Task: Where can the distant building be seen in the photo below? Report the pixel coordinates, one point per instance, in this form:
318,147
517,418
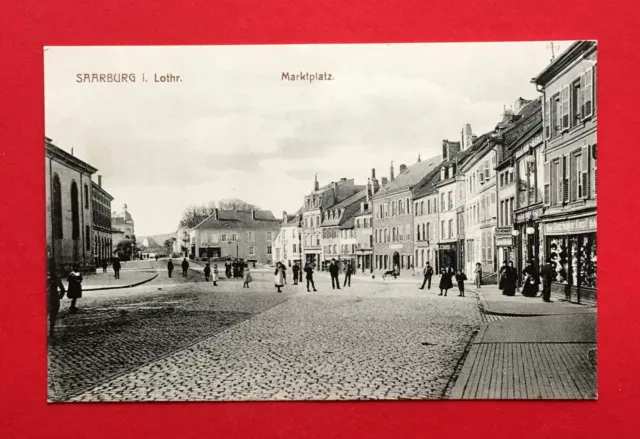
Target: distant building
364,227
124,222
287,244
69,218
241,234
102,235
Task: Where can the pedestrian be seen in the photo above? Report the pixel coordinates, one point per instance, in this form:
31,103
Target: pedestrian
547,275
530,281
445,280
227,269
170,267
308,269
207,272
74,289
510,279
104,265
116,268
215,275
477,275
502,275
333,271
246,276
347,275
185,267
284,273
156,257
427,273
241,268
55,292
279,276
296,272
460,278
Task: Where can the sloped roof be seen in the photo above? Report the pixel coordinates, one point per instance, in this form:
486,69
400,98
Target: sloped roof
409,178
348,224
240,219
291,219
343,192
430,187
351,206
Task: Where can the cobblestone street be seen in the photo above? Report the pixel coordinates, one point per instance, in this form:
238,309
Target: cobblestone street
176,339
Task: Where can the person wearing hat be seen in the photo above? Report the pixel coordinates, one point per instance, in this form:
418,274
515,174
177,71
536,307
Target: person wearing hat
333,271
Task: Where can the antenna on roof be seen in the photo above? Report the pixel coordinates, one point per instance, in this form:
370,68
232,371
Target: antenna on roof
72,150
553,48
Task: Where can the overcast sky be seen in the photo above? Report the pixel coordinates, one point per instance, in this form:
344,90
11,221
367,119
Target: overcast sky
233,128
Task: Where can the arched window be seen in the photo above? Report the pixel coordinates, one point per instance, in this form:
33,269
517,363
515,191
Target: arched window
57,208
86,196
75,213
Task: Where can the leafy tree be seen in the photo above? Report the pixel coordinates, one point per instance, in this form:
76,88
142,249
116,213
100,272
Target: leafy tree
168,245
236,204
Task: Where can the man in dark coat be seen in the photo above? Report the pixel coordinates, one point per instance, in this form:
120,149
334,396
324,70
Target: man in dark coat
546,273
333,271
116,267
207,272
55,290
427,273
74,291
347,274
170,267
104,265
296,272
308,269
185,267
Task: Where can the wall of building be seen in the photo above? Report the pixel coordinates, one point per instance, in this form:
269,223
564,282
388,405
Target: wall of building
386,219
426,220
261,243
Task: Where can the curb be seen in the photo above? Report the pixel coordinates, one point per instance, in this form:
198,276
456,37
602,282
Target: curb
485,309
121,287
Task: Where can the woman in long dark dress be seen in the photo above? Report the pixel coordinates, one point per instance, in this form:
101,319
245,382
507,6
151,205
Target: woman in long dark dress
445,280
510,280
502,274
74,290
530,281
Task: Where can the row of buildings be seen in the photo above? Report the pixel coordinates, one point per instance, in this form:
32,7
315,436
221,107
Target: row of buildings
80,226
522,192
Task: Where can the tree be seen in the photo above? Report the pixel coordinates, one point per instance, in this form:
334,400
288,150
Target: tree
168,245
195,214
124,250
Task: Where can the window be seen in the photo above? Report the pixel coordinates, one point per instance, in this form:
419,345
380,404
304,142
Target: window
75,212
586,84
57,207
421,208
442,229
576,102
418,232
442,205
577,175
335,249
555,115
270,236
223,237
270,249
306,222
251,251
234,237
408,204
450,199
450,228
427,230
250,237
86,198
87,236
564,109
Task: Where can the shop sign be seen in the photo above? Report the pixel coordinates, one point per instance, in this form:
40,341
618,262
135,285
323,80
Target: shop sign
445,247
503,232
523,217
395,246
503,242
571,226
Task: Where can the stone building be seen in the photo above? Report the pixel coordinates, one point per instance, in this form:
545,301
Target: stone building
123,221
287,245
247,235
320,200
393,215
568,219
425,208
102,235
69,217
363,221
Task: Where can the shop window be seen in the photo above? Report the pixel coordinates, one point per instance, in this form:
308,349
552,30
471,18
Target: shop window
587,260
559,254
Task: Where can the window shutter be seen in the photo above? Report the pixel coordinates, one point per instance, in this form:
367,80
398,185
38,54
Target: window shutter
486,170
586,189
565,180
580,106
594,85
594,180
588,94
566,93
547,119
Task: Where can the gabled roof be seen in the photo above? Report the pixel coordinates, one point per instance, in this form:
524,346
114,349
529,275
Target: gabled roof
292,219
412,176
343,193
348,224
430,187
574,51
240,219
351,206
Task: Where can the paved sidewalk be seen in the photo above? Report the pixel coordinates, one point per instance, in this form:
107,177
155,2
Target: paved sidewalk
107,281
493,302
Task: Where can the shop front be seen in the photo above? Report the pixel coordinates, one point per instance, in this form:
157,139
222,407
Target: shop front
528,245
447,256
504,245
571,245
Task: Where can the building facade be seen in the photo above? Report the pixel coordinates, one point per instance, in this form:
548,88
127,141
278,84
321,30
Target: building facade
69,215
246,235
425,208
123,221
568,221
101,216
393,224
287,245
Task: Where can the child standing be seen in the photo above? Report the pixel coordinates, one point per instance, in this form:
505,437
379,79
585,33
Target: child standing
246,277
207,272
215,275
460,278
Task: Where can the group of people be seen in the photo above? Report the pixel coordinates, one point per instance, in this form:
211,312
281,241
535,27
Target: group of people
531,279
115,264
280,275
56,291
446,279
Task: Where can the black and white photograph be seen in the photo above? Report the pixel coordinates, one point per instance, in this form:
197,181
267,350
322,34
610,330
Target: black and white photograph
321,222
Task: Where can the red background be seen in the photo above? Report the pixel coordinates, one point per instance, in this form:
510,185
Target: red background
27,25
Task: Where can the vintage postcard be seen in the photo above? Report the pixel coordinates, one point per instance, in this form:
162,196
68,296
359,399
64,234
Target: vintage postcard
321,222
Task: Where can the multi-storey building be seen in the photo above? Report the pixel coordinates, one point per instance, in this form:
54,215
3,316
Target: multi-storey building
363,227
393,215
425,208
102,236
123,221
287,245
447,238
568,221
338,235
316,203
69,218
246,235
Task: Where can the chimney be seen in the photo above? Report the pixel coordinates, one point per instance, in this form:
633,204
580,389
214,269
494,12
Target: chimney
253,214
284,216
373,173
391,172
316,185
100,180
343,179
215,214
362,206
403,168
419,160
384,181
443,173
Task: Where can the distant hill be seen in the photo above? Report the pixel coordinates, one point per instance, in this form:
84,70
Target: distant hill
152,241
